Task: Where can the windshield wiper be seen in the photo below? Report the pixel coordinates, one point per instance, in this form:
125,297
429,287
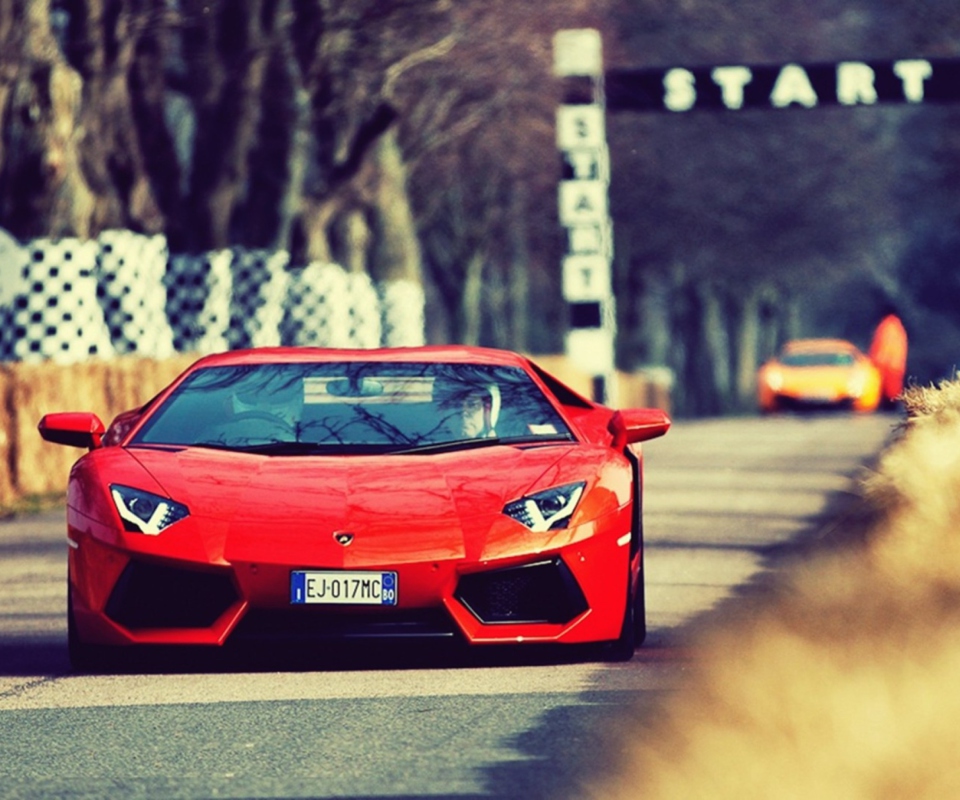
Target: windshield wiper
299,448
266,448
473,444
210,445
281,448
341,448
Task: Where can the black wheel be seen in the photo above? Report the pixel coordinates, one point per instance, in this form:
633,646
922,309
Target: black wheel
622,649
86,657
634,628
640,610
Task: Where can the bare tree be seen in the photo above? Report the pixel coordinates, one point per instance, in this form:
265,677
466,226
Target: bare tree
43,190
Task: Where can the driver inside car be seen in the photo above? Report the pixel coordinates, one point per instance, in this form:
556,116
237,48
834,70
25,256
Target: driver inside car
280,399
479,409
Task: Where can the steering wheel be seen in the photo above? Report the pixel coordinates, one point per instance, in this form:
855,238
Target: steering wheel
265,416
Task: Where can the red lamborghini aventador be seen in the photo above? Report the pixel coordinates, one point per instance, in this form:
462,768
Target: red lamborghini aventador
330,494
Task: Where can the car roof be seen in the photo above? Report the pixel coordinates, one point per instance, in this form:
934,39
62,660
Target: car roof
818,345
440,354
431,353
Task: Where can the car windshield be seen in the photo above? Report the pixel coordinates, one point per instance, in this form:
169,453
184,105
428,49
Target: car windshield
353,407
817,359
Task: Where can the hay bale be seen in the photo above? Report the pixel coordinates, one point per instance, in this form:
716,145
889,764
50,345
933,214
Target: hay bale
7,490
131,382
103,387
43,388
645,388
563,369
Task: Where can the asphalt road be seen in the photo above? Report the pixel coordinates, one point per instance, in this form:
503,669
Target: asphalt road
725,499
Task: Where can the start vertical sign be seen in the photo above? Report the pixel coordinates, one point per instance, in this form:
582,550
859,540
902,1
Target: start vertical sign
583,206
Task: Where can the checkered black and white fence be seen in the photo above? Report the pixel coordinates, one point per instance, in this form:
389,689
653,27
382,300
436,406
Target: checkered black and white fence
129,274
124,293
50,306
333,308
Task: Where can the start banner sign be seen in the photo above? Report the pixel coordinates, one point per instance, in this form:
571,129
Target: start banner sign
735,87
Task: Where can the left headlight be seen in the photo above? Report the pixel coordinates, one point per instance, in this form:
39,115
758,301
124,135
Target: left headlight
145,512
857,382
547,510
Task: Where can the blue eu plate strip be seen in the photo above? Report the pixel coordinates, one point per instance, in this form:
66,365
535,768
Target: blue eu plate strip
298,587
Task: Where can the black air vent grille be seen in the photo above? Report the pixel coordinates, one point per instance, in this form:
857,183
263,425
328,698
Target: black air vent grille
156,596
545,591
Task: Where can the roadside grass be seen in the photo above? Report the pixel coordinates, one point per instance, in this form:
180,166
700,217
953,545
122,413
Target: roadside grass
32,504
842,681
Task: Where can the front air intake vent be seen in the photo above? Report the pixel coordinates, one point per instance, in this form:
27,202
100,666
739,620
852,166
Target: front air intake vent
305,625
545,591
156,596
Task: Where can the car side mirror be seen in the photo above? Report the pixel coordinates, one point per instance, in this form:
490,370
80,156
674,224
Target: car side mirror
633,425
73,428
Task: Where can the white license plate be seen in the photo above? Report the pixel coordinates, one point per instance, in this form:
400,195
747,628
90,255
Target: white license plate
342,587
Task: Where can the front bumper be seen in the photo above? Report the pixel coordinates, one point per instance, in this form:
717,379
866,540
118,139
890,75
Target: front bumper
574,594
803,402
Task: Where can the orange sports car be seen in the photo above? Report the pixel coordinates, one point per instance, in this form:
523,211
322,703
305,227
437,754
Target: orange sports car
818,373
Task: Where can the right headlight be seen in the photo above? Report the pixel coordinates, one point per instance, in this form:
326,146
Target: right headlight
547,510
774,379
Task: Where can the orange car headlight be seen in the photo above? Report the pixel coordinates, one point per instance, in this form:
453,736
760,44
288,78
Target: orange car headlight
857,383
774,379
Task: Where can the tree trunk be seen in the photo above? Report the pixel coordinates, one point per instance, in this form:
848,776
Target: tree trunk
792,322
654,323
716,345
519,278
298,154
235,49
471,303
747,349
356,236
113,157
397,255
43,191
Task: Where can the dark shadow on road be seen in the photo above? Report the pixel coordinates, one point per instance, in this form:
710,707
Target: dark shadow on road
33,656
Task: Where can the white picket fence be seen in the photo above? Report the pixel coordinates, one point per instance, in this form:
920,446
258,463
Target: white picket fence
124,293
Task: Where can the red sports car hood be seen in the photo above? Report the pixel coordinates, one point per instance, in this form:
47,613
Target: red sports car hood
398,508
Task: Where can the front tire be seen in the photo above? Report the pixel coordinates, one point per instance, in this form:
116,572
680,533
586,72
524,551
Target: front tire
85,657
640,611
634,628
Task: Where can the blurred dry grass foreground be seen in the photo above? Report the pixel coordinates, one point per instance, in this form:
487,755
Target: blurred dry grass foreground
844,685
